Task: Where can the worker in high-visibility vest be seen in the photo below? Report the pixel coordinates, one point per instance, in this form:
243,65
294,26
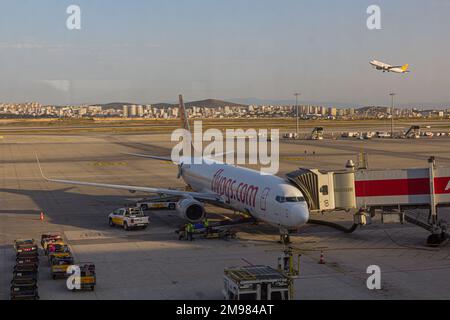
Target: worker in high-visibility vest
206,225
189,231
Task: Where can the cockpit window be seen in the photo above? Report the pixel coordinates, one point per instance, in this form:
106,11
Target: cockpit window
282,199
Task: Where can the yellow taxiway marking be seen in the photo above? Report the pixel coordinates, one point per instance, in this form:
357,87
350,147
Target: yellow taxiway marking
293,158
109,164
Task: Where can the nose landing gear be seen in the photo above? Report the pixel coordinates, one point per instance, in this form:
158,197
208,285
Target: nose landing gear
284,237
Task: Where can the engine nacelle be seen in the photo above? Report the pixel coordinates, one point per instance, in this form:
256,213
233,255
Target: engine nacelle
191,210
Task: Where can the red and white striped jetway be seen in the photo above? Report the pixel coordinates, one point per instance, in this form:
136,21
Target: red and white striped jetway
408,187
385,189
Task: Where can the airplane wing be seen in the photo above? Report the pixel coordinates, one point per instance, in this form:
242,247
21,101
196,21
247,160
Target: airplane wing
168,159
197,195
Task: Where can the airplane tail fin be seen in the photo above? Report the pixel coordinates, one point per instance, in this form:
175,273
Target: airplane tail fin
405,67
183,115
187,139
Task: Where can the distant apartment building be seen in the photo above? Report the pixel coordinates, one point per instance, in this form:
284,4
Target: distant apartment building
332,111
125,113
133,110
140,111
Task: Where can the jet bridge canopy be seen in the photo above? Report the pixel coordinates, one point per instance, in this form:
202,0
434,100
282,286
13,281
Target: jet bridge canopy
325,190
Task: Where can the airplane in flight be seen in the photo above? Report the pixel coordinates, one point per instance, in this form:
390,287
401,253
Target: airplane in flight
267,198
389,68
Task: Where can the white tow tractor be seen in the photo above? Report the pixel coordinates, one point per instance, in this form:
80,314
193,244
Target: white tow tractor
128,218
158,203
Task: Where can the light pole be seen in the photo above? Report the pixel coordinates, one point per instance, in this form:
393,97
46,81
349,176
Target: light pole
392,114
296,108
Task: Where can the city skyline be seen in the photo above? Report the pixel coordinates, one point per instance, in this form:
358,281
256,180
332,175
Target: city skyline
150,51
213,109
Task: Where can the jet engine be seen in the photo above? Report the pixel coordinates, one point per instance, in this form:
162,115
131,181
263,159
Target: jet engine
191,210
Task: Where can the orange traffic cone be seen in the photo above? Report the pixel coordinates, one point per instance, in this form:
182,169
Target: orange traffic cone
322,259
42,216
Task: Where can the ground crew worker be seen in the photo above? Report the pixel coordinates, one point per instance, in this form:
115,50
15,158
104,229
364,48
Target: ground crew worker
189,230
206,225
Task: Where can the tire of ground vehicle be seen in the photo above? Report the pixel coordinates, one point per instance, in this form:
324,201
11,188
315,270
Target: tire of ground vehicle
172,206
144,206
111,223
125,226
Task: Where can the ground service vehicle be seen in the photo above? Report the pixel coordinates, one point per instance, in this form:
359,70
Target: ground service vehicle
58,251
59,267
163,202
47,237
255,283
128,218
25,247
88,278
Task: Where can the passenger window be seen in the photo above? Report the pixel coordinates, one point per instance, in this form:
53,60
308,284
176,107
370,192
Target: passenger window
324,190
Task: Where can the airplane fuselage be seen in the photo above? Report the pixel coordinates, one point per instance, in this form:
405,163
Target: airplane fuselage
266,197
387,67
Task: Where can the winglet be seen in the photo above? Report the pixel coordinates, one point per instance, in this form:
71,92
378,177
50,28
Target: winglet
40,168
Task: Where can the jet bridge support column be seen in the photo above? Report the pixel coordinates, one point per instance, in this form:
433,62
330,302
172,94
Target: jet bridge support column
438,228
433,211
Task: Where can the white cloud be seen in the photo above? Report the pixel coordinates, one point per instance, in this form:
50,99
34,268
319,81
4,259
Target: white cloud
31,45
61,85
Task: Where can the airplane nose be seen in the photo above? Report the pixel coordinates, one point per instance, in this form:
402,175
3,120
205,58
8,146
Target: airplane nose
300,215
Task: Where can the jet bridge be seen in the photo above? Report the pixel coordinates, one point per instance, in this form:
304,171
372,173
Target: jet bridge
386,190
317,133
413,132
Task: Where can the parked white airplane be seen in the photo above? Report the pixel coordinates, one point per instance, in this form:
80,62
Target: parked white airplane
265,197
389,68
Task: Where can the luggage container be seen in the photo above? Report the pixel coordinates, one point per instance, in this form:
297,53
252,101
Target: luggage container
26,268
25,247
24,292
88,278
49,237
27,260
58,251
24,276
59,267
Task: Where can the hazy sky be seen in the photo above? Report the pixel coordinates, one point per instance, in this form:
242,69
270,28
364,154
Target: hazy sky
149,51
